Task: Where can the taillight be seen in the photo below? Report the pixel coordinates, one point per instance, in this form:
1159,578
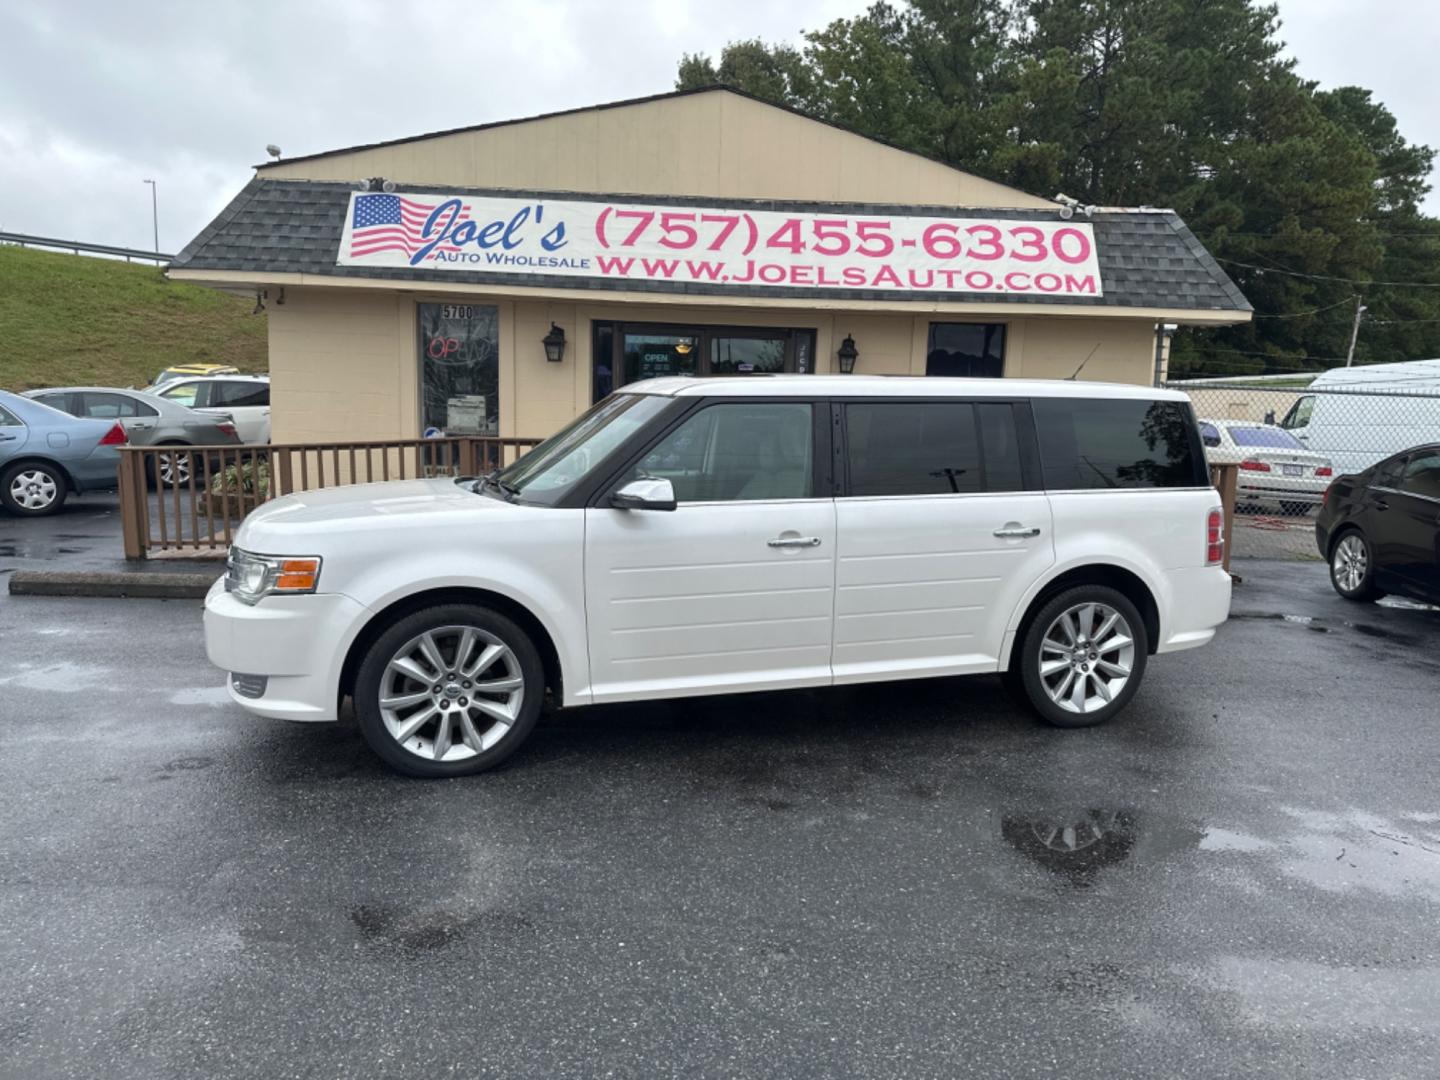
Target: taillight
1324,470
115,436
1215,538
1254,466
225,428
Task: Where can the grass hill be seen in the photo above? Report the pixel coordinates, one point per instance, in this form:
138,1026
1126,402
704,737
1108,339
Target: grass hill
76,320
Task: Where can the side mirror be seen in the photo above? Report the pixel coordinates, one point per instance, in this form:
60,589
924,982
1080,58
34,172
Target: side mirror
649,494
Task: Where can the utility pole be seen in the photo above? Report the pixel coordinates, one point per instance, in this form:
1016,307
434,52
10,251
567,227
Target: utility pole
154,214
1360,309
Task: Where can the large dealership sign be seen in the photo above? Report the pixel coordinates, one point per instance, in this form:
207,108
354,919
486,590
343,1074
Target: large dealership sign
724,246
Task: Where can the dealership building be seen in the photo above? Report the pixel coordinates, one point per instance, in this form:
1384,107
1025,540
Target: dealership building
498,279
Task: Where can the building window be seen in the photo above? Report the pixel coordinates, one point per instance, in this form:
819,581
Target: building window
460,369
966,349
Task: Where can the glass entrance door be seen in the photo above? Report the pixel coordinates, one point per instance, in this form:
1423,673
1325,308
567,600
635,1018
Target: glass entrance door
628,352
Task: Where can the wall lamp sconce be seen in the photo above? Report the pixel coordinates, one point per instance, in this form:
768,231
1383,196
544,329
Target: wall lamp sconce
554,343
847,354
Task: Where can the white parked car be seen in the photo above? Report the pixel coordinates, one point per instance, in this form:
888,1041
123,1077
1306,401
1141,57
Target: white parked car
1276,469
708,536
244,399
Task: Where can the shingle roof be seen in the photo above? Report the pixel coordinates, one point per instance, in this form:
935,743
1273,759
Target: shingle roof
1148,258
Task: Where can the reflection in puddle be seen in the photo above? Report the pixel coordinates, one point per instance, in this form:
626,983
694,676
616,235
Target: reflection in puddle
1074,846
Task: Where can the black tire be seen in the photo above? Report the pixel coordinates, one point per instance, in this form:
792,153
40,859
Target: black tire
1364,590
1295,509
45,474
371,718
1028,657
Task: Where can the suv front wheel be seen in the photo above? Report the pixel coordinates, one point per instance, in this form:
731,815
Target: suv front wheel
449,691
1082,656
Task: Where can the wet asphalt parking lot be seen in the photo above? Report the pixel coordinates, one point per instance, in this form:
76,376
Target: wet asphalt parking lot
1239,877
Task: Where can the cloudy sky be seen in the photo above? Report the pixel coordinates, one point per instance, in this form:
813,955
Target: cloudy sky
96,97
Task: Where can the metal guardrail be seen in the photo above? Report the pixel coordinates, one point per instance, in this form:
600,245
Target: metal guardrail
189,500
79,246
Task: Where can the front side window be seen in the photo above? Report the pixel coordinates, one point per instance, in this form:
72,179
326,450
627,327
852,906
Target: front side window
460,368
1299,414
1270,437
736,452
553,468
1116,443
1422,475
187,394
966,350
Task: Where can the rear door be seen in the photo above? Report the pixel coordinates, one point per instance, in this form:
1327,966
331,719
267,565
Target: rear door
1413,533
137,418
940,534
13,435
734,588
247,402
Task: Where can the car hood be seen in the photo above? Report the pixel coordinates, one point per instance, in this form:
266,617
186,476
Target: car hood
398,503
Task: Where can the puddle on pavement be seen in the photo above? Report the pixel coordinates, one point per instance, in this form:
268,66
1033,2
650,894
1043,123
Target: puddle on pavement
214,696
1324,626
65,678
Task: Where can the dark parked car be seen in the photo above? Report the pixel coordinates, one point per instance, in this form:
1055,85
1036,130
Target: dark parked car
1380,529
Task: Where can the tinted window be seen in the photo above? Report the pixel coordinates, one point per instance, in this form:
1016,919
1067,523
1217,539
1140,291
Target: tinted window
55,401
1264,436
1100,443
931,448
239,394
1387,473
106,406
736,452
1422,475
966,349
1209,434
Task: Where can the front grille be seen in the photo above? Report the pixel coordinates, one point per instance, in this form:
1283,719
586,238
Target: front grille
251,686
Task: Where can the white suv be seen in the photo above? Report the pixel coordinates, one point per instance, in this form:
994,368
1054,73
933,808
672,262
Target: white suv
244,399
711,536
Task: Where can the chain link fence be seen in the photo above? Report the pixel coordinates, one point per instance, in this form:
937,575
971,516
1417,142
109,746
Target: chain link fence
1291,440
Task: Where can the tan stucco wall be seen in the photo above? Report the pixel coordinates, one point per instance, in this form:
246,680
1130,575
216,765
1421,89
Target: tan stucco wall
712,144
344,363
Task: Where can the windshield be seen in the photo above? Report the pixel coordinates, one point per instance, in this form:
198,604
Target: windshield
546,473
1265,436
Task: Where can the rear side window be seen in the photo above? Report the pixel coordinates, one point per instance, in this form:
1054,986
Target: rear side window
239,394
931,448
1107,443
106,406
9,419
1422,475
1209,434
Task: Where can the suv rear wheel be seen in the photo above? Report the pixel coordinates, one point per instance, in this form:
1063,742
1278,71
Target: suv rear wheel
1082,656
449,691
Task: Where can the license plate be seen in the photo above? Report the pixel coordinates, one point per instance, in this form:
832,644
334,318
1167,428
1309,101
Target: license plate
1294,470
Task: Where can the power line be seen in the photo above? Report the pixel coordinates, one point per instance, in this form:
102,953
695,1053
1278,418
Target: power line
1302,314
1329,277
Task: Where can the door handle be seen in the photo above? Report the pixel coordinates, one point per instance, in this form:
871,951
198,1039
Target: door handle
1381,504
1016,532
793,541
8,438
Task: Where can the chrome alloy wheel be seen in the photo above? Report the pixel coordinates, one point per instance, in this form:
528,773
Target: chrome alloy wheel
1350,563
34,489
451,693
1086,657
174,467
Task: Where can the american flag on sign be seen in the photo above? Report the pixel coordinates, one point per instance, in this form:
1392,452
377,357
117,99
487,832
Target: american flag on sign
391,223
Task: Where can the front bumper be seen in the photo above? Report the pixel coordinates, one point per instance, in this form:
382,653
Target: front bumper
297,643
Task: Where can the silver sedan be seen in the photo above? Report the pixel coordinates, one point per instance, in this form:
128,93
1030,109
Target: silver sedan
148,421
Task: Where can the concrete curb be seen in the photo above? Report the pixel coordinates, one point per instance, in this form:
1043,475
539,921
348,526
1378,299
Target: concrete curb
151,586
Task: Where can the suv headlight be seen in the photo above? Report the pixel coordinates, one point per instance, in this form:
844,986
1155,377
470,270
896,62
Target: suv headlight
251,577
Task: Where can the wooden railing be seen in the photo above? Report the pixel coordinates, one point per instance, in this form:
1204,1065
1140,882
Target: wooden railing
189,500
1226,479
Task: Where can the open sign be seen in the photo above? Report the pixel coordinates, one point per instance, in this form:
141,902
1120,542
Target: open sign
442,348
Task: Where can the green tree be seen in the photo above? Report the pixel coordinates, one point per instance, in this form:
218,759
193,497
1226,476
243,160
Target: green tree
1300,193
